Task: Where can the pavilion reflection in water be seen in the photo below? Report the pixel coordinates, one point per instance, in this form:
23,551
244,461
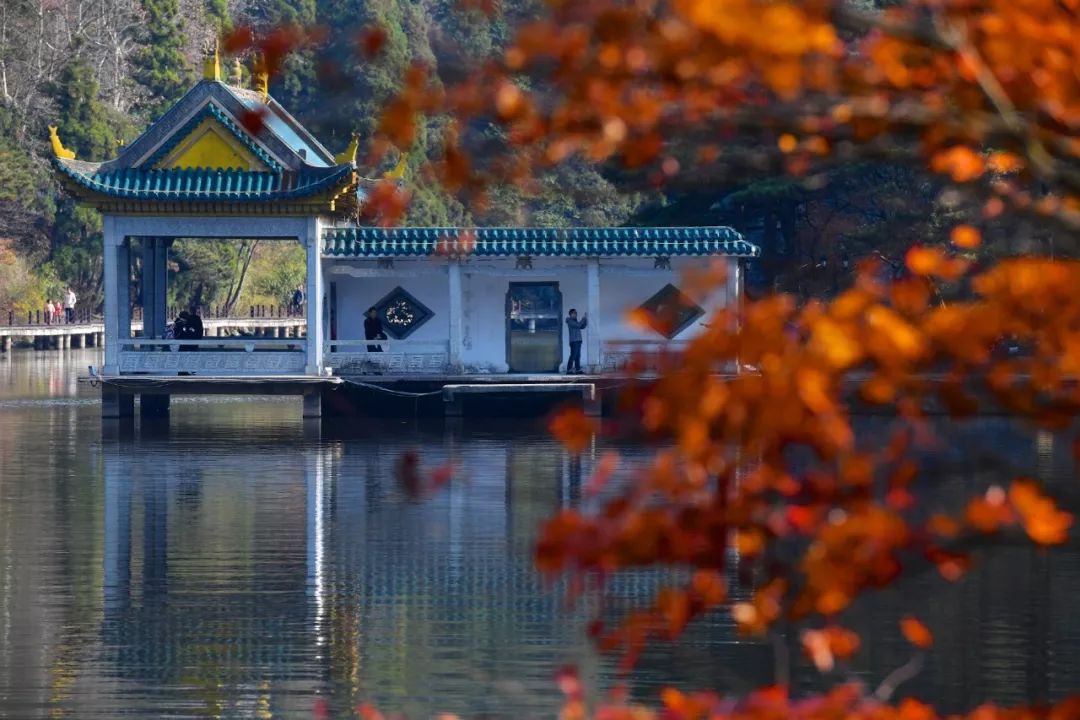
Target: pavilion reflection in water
205,584
332,582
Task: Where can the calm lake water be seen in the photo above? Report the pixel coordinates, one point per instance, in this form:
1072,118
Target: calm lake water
236,562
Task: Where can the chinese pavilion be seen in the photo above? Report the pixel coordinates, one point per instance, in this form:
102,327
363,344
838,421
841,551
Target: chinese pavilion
452,302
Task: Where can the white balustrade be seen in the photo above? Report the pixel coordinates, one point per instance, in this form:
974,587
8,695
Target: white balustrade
405,357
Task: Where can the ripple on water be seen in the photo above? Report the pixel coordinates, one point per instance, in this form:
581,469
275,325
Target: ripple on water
230,564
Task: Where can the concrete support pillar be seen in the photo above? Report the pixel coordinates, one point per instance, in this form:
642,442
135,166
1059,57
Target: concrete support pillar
733,297
65,342
592,333
154,278
57,342
5,343
455,315
116,403
313,404
592,405
117,294
315,303
99,339
153,405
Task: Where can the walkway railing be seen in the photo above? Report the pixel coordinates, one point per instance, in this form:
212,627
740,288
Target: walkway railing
38,318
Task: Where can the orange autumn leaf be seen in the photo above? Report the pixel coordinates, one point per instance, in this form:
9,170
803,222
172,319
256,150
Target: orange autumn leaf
923,260
573,429
915,632
960,162
965,237
1041,519
988,513
1004,162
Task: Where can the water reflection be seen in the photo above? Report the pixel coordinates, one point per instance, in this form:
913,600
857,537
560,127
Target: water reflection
234,563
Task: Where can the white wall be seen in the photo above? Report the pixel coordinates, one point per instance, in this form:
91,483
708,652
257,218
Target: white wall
424,279
625,283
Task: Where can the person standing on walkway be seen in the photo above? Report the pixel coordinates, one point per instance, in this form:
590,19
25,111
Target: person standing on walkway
48,312
575,326
373,329
69,306
57,312
298,300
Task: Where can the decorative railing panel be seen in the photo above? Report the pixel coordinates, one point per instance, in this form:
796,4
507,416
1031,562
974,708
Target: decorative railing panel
213,356
351,357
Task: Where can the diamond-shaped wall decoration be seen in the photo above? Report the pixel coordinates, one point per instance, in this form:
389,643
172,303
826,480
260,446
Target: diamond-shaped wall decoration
670,311
401,313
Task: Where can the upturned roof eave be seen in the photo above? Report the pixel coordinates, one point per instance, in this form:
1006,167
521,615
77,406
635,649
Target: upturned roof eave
336,180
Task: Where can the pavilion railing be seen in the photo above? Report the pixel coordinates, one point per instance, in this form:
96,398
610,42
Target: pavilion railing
213,356
407,357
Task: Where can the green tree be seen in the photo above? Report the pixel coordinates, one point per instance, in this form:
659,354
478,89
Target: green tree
85,124
160,66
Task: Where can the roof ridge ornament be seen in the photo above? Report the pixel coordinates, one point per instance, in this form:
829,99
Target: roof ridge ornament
212,66
260,78
398,172
348,155
58,147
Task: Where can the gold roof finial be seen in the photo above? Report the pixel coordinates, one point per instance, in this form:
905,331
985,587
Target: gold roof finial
348,155
212,66
260,79
58,147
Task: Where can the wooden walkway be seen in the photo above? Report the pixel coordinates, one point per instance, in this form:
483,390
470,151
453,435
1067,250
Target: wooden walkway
61,336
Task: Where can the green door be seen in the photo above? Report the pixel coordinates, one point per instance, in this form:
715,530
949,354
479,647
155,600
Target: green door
534,327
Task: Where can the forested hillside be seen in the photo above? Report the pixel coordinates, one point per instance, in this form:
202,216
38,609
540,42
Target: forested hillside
102,69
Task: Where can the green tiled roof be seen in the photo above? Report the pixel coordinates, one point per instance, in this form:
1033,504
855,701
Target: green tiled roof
186,185
383,242
210,110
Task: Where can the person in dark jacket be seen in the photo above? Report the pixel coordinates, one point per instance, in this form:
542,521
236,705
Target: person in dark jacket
195,321
575,326
298,299
373,329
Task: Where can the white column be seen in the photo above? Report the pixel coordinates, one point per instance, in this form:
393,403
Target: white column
455,314
315,301
117,266
592,332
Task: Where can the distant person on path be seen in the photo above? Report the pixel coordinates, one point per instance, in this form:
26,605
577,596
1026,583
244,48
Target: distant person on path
57,312
575,326
48,311
69,306
298,299
373,329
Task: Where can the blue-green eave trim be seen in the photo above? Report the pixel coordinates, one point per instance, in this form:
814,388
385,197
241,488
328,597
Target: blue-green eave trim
212,111
201,185
540,242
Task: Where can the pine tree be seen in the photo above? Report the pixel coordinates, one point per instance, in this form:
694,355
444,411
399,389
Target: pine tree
160,65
